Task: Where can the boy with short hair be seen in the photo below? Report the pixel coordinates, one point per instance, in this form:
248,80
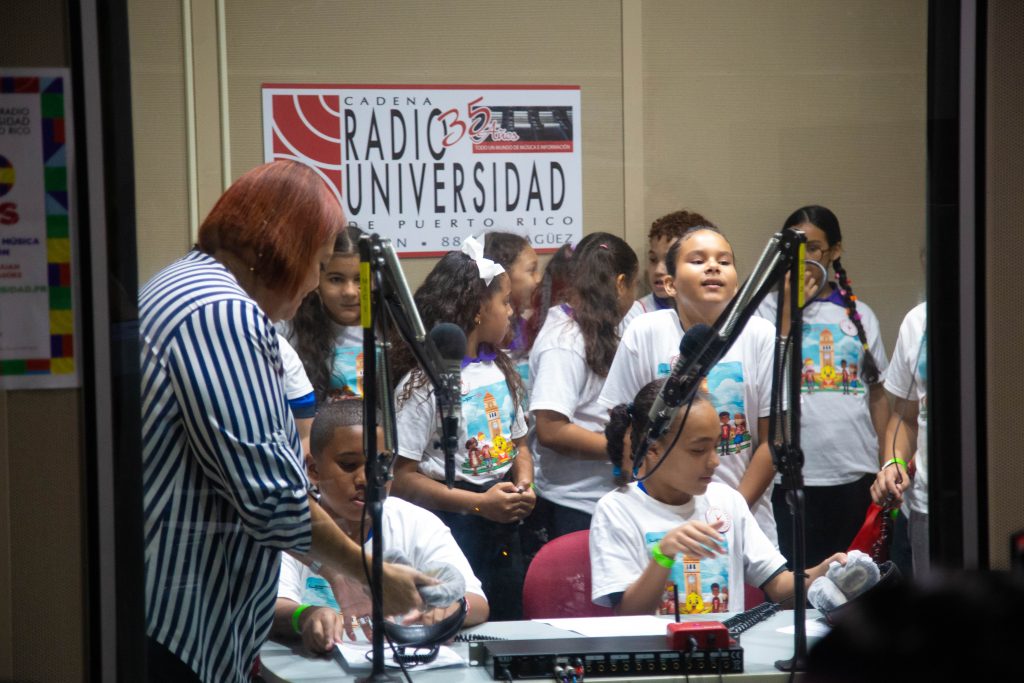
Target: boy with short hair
305,605
663,233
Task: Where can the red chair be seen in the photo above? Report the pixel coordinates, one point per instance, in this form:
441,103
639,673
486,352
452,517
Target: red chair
752,596
557,582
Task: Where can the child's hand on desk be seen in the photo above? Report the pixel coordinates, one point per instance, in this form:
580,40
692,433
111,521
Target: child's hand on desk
322,628
696,539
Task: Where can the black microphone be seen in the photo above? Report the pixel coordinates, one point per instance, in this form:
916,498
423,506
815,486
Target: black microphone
449,341
689,369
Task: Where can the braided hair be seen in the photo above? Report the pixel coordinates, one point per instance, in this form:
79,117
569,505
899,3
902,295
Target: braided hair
826,221
634,418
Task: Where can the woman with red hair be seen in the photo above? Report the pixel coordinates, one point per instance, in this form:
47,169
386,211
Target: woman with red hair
224,485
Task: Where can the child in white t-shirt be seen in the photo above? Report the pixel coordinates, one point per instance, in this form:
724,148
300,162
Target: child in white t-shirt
843,408
514,253
493,489
298,391
325,331
704,281
337,466
570,360
906,437
675,526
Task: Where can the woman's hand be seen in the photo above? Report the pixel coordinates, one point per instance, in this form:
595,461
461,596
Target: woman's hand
696,539
400,592
431,616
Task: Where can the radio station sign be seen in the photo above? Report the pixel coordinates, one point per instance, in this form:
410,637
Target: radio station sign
428,165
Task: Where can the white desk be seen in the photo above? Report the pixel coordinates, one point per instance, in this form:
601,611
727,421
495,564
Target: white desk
762,646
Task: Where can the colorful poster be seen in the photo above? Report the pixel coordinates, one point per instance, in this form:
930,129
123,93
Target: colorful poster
429,165
37,318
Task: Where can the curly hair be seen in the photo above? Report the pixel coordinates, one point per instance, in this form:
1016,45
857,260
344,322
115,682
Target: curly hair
453,292
312,331
598,260
634,418
673,225
826,221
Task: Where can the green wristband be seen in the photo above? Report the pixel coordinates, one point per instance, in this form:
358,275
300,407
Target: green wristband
660,557
295,617
895,461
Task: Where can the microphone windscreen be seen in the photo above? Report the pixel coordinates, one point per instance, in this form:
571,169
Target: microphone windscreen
449,340
695,340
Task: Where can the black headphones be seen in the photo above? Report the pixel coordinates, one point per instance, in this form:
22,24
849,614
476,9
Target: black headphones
423,642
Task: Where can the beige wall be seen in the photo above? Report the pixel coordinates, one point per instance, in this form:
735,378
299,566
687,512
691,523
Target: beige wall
753,109
742,110
42,566
1004,209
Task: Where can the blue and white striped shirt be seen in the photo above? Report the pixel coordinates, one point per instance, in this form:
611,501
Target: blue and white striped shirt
224,488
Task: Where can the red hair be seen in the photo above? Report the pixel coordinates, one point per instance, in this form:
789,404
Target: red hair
274,218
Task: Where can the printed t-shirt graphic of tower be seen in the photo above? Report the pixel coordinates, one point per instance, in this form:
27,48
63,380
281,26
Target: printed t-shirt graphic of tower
489,444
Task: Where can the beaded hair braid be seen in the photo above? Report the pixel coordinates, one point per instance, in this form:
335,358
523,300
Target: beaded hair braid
869,368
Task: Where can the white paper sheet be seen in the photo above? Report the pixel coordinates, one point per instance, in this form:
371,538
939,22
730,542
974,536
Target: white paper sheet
356,656
645,625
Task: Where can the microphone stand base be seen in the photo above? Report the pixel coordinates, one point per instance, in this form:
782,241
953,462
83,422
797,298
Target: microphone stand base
792,664
380,678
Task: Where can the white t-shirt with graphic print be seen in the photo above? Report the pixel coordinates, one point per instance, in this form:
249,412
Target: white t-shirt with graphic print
838,438
490,422
907,378
420,536
565,384
347,365
740,385
627,522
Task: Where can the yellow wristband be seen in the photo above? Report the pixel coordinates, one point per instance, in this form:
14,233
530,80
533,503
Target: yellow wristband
660,557
895,461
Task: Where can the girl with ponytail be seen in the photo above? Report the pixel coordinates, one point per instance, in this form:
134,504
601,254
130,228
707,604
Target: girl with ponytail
650,533
568,364
844,410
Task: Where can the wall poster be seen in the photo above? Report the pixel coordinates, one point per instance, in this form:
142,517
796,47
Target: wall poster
37,225
428,165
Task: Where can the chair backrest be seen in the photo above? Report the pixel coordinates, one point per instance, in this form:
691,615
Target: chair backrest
557,582
752,596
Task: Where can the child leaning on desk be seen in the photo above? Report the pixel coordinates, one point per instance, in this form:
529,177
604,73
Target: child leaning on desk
305,605
675,526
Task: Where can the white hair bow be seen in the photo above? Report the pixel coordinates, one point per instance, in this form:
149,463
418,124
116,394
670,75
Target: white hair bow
489,270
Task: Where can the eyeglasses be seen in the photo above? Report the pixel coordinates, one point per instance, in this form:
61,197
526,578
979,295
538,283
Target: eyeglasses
815,250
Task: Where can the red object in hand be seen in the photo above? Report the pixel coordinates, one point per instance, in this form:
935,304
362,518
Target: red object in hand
710,635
